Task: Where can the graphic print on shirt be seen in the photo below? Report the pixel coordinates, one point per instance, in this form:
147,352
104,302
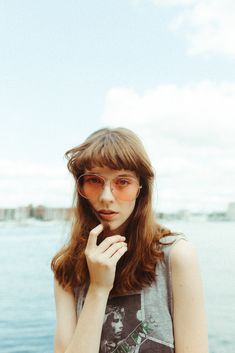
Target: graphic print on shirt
126,331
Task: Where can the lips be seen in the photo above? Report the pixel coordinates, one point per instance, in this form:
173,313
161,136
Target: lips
106,212
107,215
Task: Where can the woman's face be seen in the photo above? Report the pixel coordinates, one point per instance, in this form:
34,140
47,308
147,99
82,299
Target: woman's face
108,201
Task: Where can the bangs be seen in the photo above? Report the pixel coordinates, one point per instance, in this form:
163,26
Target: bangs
116,149
109,151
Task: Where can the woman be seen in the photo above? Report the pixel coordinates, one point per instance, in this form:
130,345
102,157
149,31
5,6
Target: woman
120,257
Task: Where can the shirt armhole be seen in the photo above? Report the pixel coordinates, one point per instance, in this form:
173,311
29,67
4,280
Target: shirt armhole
169,268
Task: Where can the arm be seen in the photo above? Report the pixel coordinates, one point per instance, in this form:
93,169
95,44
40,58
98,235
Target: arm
189,317
83,336
65,318
72,336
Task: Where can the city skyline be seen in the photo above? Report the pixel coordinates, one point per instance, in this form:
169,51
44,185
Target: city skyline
230,205
43,213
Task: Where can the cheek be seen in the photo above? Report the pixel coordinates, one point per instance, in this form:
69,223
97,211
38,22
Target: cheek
92,207
130,208
92,203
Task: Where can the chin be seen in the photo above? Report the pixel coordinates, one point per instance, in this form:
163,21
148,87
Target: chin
110,225
112,228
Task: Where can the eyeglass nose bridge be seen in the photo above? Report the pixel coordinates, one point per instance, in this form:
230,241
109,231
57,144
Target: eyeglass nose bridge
105,182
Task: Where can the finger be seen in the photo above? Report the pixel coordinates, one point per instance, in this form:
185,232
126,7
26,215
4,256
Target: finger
113,249
107,242
92,239
118,254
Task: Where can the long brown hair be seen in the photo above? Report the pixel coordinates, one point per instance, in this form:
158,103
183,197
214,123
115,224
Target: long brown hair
118,148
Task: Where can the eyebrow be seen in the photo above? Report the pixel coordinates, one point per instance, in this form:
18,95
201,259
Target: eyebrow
125,175
119,175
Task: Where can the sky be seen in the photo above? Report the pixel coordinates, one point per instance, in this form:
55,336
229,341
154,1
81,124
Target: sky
163,68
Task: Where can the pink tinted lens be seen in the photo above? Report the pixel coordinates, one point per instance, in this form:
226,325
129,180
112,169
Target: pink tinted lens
129,193
91,186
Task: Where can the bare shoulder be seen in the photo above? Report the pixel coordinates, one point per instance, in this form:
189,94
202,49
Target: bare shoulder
60,291
184,254
66,317
185,271
63,296
189,316
65,303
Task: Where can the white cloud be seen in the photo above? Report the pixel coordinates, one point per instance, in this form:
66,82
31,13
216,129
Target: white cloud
206,108
188,133
23,168
24,182
208,25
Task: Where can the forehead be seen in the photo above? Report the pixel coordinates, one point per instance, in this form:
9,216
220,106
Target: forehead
108,172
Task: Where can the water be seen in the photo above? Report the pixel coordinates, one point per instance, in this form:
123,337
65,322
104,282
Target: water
27,309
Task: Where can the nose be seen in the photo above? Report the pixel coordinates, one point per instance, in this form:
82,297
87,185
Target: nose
120,325
106,194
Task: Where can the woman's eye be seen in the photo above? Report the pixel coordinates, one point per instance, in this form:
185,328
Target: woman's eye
92,180
123,182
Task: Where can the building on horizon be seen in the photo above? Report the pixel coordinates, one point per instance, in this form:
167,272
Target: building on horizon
39,212
44,213
231,211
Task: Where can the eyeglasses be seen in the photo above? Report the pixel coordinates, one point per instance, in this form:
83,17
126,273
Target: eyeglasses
90,186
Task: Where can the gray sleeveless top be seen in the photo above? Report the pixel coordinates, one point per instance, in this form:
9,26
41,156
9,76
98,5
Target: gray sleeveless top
140,322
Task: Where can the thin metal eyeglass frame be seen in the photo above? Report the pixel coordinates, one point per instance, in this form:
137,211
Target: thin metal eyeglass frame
105,181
